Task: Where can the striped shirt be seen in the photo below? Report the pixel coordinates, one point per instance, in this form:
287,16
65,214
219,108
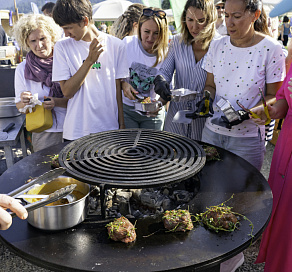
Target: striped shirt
189,75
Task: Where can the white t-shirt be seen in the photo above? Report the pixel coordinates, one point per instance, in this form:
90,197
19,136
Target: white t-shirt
140,69
94,107
24,85
238,74
222,29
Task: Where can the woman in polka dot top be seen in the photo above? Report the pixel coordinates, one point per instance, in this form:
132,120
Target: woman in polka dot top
237,65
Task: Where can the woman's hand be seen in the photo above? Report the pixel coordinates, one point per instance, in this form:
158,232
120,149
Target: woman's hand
49,104
7,202
25,97
260,111
128,90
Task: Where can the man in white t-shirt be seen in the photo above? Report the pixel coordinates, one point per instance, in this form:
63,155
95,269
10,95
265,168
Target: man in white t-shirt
220,23
89,66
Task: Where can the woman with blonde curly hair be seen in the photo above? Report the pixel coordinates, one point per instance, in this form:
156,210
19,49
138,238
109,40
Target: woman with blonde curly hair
185,56
38,34
146,53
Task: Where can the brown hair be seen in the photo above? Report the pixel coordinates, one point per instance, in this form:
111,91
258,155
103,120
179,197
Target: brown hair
161,44
261,24
208,33
48,6
68,12
123,26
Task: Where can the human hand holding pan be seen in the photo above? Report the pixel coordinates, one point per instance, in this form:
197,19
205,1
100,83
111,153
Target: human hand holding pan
4,132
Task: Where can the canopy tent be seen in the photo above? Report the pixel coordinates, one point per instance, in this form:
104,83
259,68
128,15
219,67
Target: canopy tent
169,15
271,2
109,10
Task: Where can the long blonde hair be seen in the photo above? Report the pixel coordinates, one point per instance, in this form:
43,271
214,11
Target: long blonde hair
161,44
208,33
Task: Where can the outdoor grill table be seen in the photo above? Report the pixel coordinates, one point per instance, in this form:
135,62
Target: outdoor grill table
14,136
86,247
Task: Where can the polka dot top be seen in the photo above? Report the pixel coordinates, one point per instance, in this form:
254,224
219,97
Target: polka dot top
238,74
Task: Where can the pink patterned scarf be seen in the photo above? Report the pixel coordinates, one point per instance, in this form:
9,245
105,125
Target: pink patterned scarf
40,70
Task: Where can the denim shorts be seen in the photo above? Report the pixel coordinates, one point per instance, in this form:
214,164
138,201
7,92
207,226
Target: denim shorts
135,120
251,149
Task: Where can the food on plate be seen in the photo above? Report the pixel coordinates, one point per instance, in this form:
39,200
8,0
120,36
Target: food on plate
211,153
177,220
146,100
121,229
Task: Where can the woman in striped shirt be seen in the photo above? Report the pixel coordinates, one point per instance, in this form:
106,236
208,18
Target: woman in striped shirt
185,57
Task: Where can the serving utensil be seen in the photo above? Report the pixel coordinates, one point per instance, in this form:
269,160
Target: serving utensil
70,197
43,179
49,199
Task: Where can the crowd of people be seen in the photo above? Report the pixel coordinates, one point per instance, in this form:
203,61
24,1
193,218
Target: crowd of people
90,80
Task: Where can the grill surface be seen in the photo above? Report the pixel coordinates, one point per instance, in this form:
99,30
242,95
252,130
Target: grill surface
132,158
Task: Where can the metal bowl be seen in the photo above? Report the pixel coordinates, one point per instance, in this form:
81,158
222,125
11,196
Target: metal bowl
144,107
8,107
61,216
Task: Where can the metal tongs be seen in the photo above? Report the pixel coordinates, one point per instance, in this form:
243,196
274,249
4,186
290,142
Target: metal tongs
138,97
254,115
186,116
43,179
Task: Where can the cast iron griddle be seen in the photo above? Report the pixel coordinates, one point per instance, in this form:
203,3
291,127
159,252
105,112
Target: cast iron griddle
86,247
132,158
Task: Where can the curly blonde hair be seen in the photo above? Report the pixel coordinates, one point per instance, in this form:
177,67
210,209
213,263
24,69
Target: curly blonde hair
31,22
161,44
210,13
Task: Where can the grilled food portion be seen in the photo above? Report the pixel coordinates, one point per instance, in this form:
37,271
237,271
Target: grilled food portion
121,229
220,218
211,153
177,220
55,161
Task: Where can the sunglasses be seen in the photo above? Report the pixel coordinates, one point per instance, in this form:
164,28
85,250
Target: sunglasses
220,7
150,12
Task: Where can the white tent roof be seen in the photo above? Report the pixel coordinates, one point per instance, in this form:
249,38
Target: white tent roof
271,2
109,10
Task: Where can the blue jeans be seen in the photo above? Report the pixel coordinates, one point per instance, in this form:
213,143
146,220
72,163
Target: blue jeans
252,149
135,120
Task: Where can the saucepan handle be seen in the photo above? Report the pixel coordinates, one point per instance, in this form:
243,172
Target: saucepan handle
8,127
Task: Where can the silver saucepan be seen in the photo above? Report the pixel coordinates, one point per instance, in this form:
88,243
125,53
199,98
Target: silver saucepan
60,215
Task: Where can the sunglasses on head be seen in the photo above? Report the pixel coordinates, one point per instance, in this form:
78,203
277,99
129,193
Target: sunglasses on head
150,12
220,7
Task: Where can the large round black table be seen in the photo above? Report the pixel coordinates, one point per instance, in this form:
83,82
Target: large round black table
86,247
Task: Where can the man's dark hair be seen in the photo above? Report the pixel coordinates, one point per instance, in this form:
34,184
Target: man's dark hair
68,12
48,6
